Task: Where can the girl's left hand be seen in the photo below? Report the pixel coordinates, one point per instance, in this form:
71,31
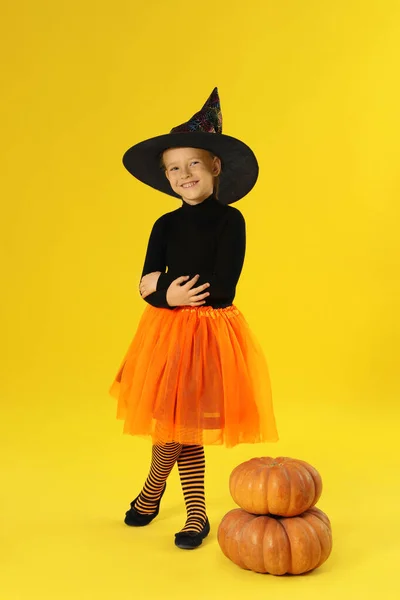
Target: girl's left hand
148,283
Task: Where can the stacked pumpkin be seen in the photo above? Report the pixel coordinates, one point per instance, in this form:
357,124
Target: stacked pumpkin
277,528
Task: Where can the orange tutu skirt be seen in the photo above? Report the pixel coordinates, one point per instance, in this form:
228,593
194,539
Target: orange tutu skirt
195,375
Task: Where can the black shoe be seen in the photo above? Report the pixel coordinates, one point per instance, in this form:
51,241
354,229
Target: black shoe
135,519
188,540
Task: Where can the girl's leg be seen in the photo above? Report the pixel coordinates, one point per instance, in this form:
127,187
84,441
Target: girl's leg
163,459
191,465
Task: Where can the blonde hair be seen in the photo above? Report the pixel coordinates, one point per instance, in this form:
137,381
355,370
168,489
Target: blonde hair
216,179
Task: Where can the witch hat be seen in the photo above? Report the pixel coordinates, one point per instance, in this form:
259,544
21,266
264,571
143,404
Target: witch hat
203,130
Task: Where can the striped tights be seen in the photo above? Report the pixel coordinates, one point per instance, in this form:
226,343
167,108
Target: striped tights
191,467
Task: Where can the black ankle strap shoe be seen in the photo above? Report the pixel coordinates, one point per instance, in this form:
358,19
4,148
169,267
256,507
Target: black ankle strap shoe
188,540
133,518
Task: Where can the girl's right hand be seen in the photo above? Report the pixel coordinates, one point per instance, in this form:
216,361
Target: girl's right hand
186,295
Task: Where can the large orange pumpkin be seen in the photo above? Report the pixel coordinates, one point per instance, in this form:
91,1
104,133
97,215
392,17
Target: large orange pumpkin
280,486
276,545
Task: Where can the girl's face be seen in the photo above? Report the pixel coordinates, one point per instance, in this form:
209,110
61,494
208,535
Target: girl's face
191,172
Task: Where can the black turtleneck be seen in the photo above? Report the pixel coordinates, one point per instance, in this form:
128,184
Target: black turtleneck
208,239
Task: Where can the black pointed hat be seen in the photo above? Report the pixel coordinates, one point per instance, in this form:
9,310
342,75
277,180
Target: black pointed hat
204,130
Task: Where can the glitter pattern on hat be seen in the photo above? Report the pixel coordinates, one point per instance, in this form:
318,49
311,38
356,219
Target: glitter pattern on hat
208,119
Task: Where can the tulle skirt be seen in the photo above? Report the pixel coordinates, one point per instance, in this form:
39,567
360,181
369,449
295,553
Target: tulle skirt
195,375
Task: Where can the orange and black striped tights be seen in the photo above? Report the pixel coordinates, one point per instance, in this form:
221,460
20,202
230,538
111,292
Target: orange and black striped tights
191,466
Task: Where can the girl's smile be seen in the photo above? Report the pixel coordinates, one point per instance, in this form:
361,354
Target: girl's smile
191,184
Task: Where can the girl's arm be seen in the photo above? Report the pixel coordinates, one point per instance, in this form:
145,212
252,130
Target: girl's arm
229,261
155,261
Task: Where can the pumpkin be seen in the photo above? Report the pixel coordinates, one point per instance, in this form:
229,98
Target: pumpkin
280,486
276,545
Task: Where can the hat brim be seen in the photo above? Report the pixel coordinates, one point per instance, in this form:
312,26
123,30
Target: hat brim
239,165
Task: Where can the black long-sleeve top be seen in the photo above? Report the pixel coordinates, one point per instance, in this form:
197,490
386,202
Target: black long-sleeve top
208,239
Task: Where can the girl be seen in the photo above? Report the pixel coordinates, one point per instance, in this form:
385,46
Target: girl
193,374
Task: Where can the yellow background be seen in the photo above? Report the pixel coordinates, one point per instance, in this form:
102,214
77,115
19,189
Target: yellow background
313,87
